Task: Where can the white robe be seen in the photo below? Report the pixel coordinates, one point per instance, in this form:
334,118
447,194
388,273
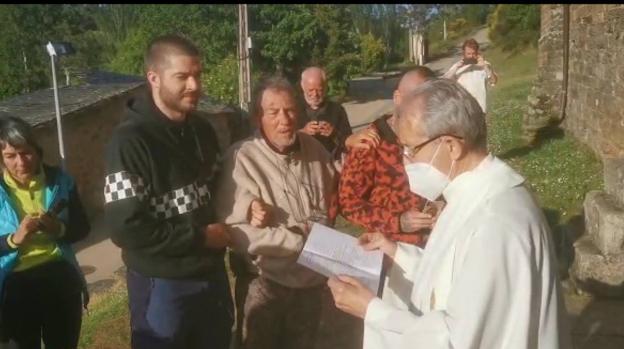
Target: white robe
474,79
486,279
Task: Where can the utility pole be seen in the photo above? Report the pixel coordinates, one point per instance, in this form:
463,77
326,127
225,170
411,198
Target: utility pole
244,64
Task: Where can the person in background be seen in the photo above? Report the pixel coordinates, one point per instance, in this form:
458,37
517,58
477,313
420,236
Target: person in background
374,191
41,215
321,118
473,72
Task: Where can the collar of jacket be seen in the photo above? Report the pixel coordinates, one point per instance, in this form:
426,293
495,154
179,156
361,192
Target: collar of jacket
293,148
52,183
36,183
144,106
321,109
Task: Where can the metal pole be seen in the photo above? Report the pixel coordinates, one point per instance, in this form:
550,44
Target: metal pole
244,68
240,56
59,125
247,58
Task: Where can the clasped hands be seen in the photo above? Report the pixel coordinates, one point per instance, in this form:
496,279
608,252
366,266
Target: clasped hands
322,128
33,223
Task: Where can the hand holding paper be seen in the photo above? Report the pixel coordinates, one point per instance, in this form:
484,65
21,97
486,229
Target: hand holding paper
332,253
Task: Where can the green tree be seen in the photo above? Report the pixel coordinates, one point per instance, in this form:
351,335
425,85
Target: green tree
24,63
513,27
211,28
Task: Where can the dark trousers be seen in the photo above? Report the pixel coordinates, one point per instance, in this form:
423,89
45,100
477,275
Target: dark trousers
44,302
272,316
179,314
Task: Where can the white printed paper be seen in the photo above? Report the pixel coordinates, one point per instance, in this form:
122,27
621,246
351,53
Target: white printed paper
331,253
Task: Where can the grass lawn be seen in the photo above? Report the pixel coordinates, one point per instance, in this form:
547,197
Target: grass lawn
559,171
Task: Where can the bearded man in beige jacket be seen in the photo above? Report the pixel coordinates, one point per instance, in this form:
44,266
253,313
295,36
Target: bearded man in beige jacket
274,185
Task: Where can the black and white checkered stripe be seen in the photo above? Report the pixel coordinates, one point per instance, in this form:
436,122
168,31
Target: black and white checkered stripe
180,201
123,185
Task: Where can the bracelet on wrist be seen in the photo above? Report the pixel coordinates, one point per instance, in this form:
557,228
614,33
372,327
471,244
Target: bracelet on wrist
12,242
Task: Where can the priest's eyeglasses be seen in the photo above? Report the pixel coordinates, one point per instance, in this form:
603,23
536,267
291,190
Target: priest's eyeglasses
410,151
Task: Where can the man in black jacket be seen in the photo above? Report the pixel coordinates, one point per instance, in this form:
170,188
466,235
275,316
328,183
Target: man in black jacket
161,165
326,120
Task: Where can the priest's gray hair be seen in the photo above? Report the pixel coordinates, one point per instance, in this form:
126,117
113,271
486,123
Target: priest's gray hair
445,107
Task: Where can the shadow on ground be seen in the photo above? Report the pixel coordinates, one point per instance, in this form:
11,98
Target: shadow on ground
596,323
543,135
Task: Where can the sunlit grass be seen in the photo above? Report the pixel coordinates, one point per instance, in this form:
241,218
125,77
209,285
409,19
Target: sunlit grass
560,169
107,324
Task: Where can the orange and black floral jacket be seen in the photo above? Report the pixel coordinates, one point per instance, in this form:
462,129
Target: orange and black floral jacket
374,189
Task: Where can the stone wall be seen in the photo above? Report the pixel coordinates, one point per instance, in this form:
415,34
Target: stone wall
545,98
594,109
86,133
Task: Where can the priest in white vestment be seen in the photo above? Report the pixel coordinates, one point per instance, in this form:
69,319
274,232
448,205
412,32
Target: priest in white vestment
487,277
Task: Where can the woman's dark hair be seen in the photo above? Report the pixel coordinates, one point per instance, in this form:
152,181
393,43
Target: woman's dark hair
17,133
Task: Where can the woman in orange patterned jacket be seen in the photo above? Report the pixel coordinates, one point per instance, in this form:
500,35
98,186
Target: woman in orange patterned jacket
374,191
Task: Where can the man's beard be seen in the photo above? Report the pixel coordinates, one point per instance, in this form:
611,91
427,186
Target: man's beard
314,103
284,142
175,101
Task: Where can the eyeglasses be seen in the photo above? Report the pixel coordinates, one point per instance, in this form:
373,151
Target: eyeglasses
410,151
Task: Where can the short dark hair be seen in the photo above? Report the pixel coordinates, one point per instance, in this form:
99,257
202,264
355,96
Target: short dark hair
421,70
270,83
472,43
17,133
165,45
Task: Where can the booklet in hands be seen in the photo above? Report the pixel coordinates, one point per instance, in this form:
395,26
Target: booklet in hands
332,253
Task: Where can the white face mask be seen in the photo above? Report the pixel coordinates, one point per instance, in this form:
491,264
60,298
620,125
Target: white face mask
427,181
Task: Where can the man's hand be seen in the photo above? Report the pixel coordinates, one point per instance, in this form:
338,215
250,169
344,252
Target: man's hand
434,209
414,220
350,295
325,128
50,225
216,236
378,241
481,61
311,128
259,213
28,225
364,139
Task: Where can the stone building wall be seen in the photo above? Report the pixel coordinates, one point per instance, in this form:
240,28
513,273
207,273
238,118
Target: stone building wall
86,133
595,94
545,98
595,108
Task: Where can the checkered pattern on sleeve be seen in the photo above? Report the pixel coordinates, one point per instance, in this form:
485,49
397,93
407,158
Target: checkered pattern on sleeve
180,201
123,185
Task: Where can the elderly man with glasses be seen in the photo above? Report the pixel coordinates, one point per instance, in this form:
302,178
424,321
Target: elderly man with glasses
487,277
